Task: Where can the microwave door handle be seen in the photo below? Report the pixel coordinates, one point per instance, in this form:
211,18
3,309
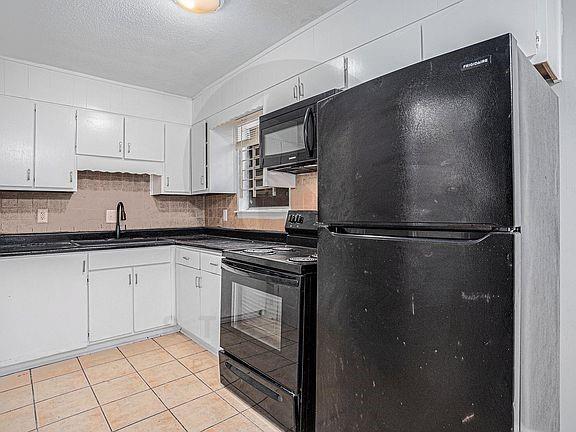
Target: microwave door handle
260,276
307,118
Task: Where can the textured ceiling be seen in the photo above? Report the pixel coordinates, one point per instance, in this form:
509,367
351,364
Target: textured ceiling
151,43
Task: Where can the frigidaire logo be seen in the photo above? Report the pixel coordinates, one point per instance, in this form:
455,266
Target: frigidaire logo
477,63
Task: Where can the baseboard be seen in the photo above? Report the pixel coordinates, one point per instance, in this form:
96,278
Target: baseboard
7,370
199,341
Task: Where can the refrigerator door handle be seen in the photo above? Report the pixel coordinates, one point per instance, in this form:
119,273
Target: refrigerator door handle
437,240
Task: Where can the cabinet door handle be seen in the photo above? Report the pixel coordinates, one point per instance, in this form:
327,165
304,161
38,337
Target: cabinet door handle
167,181
202,180
295,92
83,266
135,278
129,147
71,177
28,174
120,147
130,279
301,89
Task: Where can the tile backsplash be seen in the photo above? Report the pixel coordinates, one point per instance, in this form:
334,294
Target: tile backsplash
303,197
85,210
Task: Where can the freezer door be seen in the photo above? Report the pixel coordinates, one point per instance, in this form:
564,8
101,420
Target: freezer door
415,335
427,145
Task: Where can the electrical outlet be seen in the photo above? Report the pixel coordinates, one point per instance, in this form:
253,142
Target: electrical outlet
224,215
111,216
42,216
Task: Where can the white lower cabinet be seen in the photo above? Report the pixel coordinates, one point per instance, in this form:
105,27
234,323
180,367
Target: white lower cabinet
153,297
198,295
188,298
131,291
43,309
110,303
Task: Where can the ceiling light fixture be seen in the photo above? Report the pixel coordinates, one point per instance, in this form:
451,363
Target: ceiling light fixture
199,6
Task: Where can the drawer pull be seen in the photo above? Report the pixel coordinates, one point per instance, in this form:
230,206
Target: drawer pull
214,264
186,258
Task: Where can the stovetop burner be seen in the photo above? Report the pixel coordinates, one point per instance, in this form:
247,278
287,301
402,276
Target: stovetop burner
259,251
302,259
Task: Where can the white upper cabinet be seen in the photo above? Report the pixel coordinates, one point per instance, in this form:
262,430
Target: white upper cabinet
51,86
281,95
100,134
153,297
177,165
470,22
198,156
103,96
16,79
324,77
55,162
363,21
144,140
16,142
387,54
2,76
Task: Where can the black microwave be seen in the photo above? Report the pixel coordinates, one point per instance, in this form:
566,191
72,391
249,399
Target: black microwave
288,137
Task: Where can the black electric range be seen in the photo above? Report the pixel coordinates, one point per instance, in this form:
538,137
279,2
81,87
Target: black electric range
268,324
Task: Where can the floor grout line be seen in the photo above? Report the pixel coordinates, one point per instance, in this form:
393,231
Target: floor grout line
94,393
147,385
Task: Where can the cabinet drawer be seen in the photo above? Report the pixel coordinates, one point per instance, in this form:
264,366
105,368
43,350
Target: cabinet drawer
128,258
211,263
188,257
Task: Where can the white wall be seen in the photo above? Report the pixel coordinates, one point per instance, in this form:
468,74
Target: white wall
567,92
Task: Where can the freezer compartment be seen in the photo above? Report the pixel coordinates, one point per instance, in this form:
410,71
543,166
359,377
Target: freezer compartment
415,334
262,393
428,145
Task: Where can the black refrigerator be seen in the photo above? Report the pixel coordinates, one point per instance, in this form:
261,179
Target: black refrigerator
438,248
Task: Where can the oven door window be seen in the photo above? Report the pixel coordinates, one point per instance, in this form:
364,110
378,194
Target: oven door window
257,314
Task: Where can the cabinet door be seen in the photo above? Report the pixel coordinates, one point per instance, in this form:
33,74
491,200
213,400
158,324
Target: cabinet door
144,140
402,48
177,165
473,22
43,309
153,297
327,76
16,142
188,298
110,301
55,162
199,162
100,134
210,309
281,95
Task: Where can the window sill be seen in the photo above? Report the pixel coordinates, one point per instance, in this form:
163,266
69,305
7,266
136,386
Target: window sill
263,213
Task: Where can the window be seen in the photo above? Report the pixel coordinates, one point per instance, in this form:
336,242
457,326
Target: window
252,193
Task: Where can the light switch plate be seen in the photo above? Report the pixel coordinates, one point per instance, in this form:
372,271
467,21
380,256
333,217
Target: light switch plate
42,216
110,216
224,215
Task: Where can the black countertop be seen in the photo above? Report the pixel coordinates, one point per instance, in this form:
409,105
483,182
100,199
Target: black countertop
218,239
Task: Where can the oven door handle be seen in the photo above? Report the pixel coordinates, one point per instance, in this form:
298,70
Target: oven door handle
261,276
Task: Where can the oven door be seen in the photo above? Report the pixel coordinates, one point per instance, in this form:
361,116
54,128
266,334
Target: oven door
261,320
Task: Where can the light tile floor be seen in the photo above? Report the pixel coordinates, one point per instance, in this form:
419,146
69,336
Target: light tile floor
166,384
